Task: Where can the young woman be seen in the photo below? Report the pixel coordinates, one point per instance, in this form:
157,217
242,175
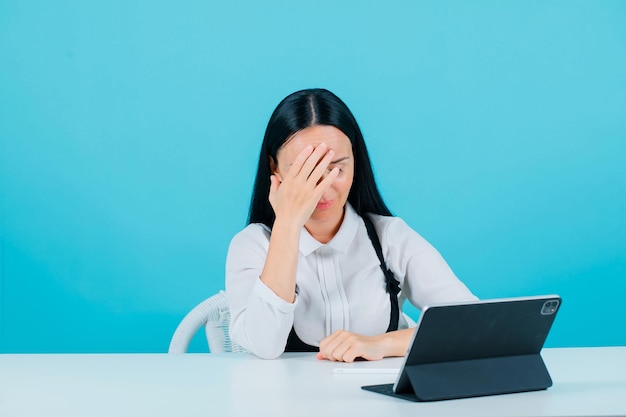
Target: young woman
305,274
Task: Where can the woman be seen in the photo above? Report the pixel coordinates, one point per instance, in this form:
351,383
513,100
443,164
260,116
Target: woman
304,275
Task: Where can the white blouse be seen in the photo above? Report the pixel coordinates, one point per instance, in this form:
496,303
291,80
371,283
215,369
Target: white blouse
339,284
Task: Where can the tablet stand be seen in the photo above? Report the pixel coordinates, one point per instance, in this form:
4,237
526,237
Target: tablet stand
478,377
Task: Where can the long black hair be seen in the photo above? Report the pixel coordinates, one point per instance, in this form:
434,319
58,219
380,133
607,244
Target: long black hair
298,111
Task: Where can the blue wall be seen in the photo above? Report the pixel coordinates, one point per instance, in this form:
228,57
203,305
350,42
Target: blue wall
129,133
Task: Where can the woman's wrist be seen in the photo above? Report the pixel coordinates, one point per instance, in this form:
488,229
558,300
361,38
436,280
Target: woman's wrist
290,220
287,224
396,343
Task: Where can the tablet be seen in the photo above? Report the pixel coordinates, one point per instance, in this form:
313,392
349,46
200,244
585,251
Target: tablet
476,348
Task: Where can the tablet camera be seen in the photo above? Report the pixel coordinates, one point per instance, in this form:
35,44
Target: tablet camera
549,307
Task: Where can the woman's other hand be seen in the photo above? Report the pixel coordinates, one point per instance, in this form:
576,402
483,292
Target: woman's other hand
343,346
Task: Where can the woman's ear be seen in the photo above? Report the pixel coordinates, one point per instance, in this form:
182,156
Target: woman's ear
274,169
273,166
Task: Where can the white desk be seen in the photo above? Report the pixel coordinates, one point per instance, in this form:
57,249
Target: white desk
587,381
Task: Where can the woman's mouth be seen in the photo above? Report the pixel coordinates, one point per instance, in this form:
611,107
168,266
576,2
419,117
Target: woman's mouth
323,205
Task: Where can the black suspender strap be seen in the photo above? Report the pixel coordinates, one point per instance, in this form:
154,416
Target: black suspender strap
392,285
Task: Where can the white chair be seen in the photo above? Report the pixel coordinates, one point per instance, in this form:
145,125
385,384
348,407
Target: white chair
214,315
412,323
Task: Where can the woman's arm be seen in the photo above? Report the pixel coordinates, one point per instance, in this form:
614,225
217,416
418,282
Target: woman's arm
261,278
293,198
259,320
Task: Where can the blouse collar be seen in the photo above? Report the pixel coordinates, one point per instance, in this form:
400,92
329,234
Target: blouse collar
340,242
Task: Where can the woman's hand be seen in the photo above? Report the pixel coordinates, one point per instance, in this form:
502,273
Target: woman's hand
295,196
343,346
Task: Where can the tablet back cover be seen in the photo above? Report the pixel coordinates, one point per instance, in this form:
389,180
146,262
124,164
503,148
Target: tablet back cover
481,348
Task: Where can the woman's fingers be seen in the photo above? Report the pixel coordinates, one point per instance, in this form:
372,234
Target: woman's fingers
316,158
327,181
346,347
317,178
311,162
334,346
297,164
321,167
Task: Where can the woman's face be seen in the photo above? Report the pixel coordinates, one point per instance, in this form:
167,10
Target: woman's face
331,205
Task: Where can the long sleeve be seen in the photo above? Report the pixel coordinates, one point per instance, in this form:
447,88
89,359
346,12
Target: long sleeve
260,320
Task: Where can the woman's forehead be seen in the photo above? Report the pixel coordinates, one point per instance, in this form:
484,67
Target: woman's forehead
314,135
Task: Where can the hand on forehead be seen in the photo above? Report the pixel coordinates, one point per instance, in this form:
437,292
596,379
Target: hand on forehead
334,138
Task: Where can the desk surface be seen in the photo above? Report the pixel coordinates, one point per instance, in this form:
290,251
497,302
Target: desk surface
587,382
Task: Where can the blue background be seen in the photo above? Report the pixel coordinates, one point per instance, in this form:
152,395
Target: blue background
129,133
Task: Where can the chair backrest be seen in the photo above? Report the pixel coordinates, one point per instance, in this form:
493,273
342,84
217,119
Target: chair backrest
412,323
214,315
